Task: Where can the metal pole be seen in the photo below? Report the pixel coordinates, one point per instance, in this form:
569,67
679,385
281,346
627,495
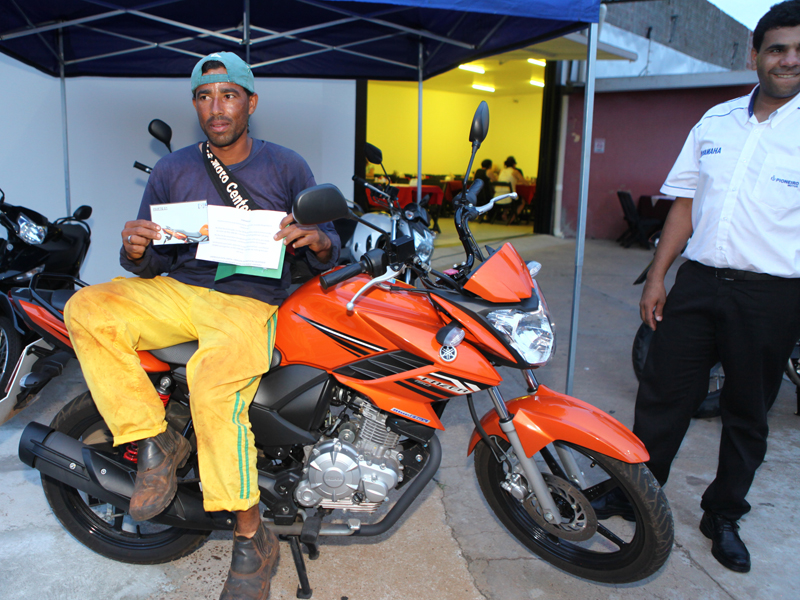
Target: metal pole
246,32
588,115
419,129
64,132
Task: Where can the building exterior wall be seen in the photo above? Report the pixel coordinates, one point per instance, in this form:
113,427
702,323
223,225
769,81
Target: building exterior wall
694,27
642,134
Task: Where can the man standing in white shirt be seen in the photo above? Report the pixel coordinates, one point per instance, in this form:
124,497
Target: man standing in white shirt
737,299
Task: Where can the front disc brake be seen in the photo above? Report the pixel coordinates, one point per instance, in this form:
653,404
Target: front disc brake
578,519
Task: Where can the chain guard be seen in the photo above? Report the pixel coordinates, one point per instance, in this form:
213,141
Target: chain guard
578,519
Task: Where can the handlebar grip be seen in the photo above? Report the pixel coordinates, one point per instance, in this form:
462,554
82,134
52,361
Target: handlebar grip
340,275
141,167
474,190
360,180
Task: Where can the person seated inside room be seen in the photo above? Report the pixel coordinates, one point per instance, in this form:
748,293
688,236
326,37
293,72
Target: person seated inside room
511,176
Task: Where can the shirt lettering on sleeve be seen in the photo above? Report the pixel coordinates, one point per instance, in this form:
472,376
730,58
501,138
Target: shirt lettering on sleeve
708,151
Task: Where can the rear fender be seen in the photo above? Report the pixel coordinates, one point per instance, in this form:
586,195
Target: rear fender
549,416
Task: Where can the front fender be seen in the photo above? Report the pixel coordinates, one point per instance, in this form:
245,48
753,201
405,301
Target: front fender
549,416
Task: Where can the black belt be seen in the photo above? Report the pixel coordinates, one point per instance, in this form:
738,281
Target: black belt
737,275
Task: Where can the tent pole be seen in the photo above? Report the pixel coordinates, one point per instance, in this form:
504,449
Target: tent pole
588,116
419,129
64,132
246,32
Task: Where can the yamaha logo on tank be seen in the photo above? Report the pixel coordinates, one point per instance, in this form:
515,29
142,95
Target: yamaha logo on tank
448,353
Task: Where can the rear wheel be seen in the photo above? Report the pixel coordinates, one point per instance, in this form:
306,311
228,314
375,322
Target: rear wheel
10,349
611,550
102,527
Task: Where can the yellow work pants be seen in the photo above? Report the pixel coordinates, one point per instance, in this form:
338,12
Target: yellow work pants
109,322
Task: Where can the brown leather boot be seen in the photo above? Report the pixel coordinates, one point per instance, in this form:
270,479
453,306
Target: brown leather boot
251,566
156,483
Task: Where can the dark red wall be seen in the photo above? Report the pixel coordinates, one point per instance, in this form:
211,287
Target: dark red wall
643,132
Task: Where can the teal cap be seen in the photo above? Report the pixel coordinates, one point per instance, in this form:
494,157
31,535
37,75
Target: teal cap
238,72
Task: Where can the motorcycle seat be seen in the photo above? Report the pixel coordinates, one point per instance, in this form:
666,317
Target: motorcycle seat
55,298
180,354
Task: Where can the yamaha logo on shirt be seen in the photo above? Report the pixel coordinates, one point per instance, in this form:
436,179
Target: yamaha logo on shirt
708,151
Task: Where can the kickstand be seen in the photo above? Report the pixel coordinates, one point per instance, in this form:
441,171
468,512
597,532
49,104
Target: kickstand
304,589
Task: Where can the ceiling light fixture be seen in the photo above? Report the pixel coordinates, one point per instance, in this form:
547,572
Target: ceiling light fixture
472,68
484,88
536,61
537,83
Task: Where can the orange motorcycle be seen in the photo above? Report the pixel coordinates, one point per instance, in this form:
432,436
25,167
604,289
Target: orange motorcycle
346,418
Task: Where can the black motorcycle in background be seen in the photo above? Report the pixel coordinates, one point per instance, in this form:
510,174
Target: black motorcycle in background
35,255
709,408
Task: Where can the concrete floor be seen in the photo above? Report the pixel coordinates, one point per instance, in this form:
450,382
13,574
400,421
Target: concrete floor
449,545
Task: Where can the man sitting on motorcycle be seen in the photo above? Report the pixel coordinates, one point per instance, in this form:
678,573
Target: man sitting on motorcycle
233,319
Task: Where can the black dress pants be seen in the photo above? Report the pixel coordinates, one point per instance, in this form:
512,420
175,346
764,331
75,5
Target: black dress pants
748,326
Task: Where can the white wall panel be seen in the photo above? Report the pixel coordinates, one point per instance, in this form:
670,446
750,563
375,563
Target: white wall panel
32,172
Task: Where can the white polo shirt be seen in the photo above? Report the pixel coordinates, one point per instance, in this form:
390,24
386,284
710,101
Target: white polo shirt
744,178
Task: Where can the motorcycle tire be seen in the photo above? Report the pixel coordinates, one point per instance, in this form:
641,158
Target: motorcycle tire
102,527
793,370
619,551
10,349
709,408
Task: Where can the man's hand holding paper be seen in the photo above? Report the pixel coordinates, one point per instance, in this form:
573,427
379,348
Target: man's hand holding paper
298,236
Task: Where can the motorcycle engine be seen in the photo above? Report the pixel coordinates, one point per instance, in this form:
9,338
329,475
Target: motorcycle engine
355,470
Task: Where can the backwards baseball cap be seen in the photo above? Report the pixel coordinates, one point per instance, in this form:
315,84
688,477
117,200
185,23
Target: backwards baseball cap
238,71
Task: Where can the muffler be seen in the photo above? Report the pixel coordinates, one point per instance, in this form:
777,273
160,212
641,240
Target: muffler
92,471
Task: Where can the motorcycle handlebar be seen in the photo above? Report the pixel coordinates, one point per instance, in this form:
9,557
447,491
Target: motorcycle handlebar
141,167
331,279
369,186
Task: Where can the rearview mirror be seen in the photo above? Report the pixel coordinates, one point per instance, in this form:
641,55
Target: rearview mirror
373,154
319,204
161,131
480,123
82,213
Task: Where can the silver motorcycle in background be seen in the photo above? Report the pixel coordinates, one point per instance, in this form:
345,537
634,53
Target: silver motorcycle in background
396,221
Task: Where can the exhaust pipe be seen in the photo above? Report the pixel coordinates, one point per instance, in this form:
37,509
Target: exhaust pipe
82,467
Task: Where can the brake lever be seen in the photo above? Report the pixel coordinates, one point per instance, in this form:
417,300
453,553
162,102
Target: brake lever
390,274
489,205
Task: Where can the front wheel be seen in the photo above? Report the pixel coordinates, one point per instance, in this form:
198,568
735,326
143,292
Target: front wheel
612,550
102,527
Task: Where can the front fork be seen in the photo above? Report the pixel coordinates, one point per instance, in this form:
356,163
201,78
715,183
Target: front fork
536,482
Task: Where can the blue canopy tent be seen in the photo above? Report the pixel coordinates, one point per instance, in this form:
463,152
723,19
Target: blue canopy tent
408,40
287,38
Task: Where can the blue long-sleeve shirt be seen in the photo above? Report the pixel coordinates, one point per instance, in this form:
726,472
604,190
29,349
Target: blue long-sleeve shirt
272,174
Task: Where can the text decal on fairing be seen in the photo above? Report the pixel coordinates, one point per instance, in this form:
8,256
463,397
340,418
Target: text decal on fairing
451,384
403,413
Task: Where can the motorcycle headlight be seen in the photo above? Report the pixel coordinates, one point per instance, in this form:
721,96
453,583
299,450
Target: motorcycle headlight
423,243
30,231
532,334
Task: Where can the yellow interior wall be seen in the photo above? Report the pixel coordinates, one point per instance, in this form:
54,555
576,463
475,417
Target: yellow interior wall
514,128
